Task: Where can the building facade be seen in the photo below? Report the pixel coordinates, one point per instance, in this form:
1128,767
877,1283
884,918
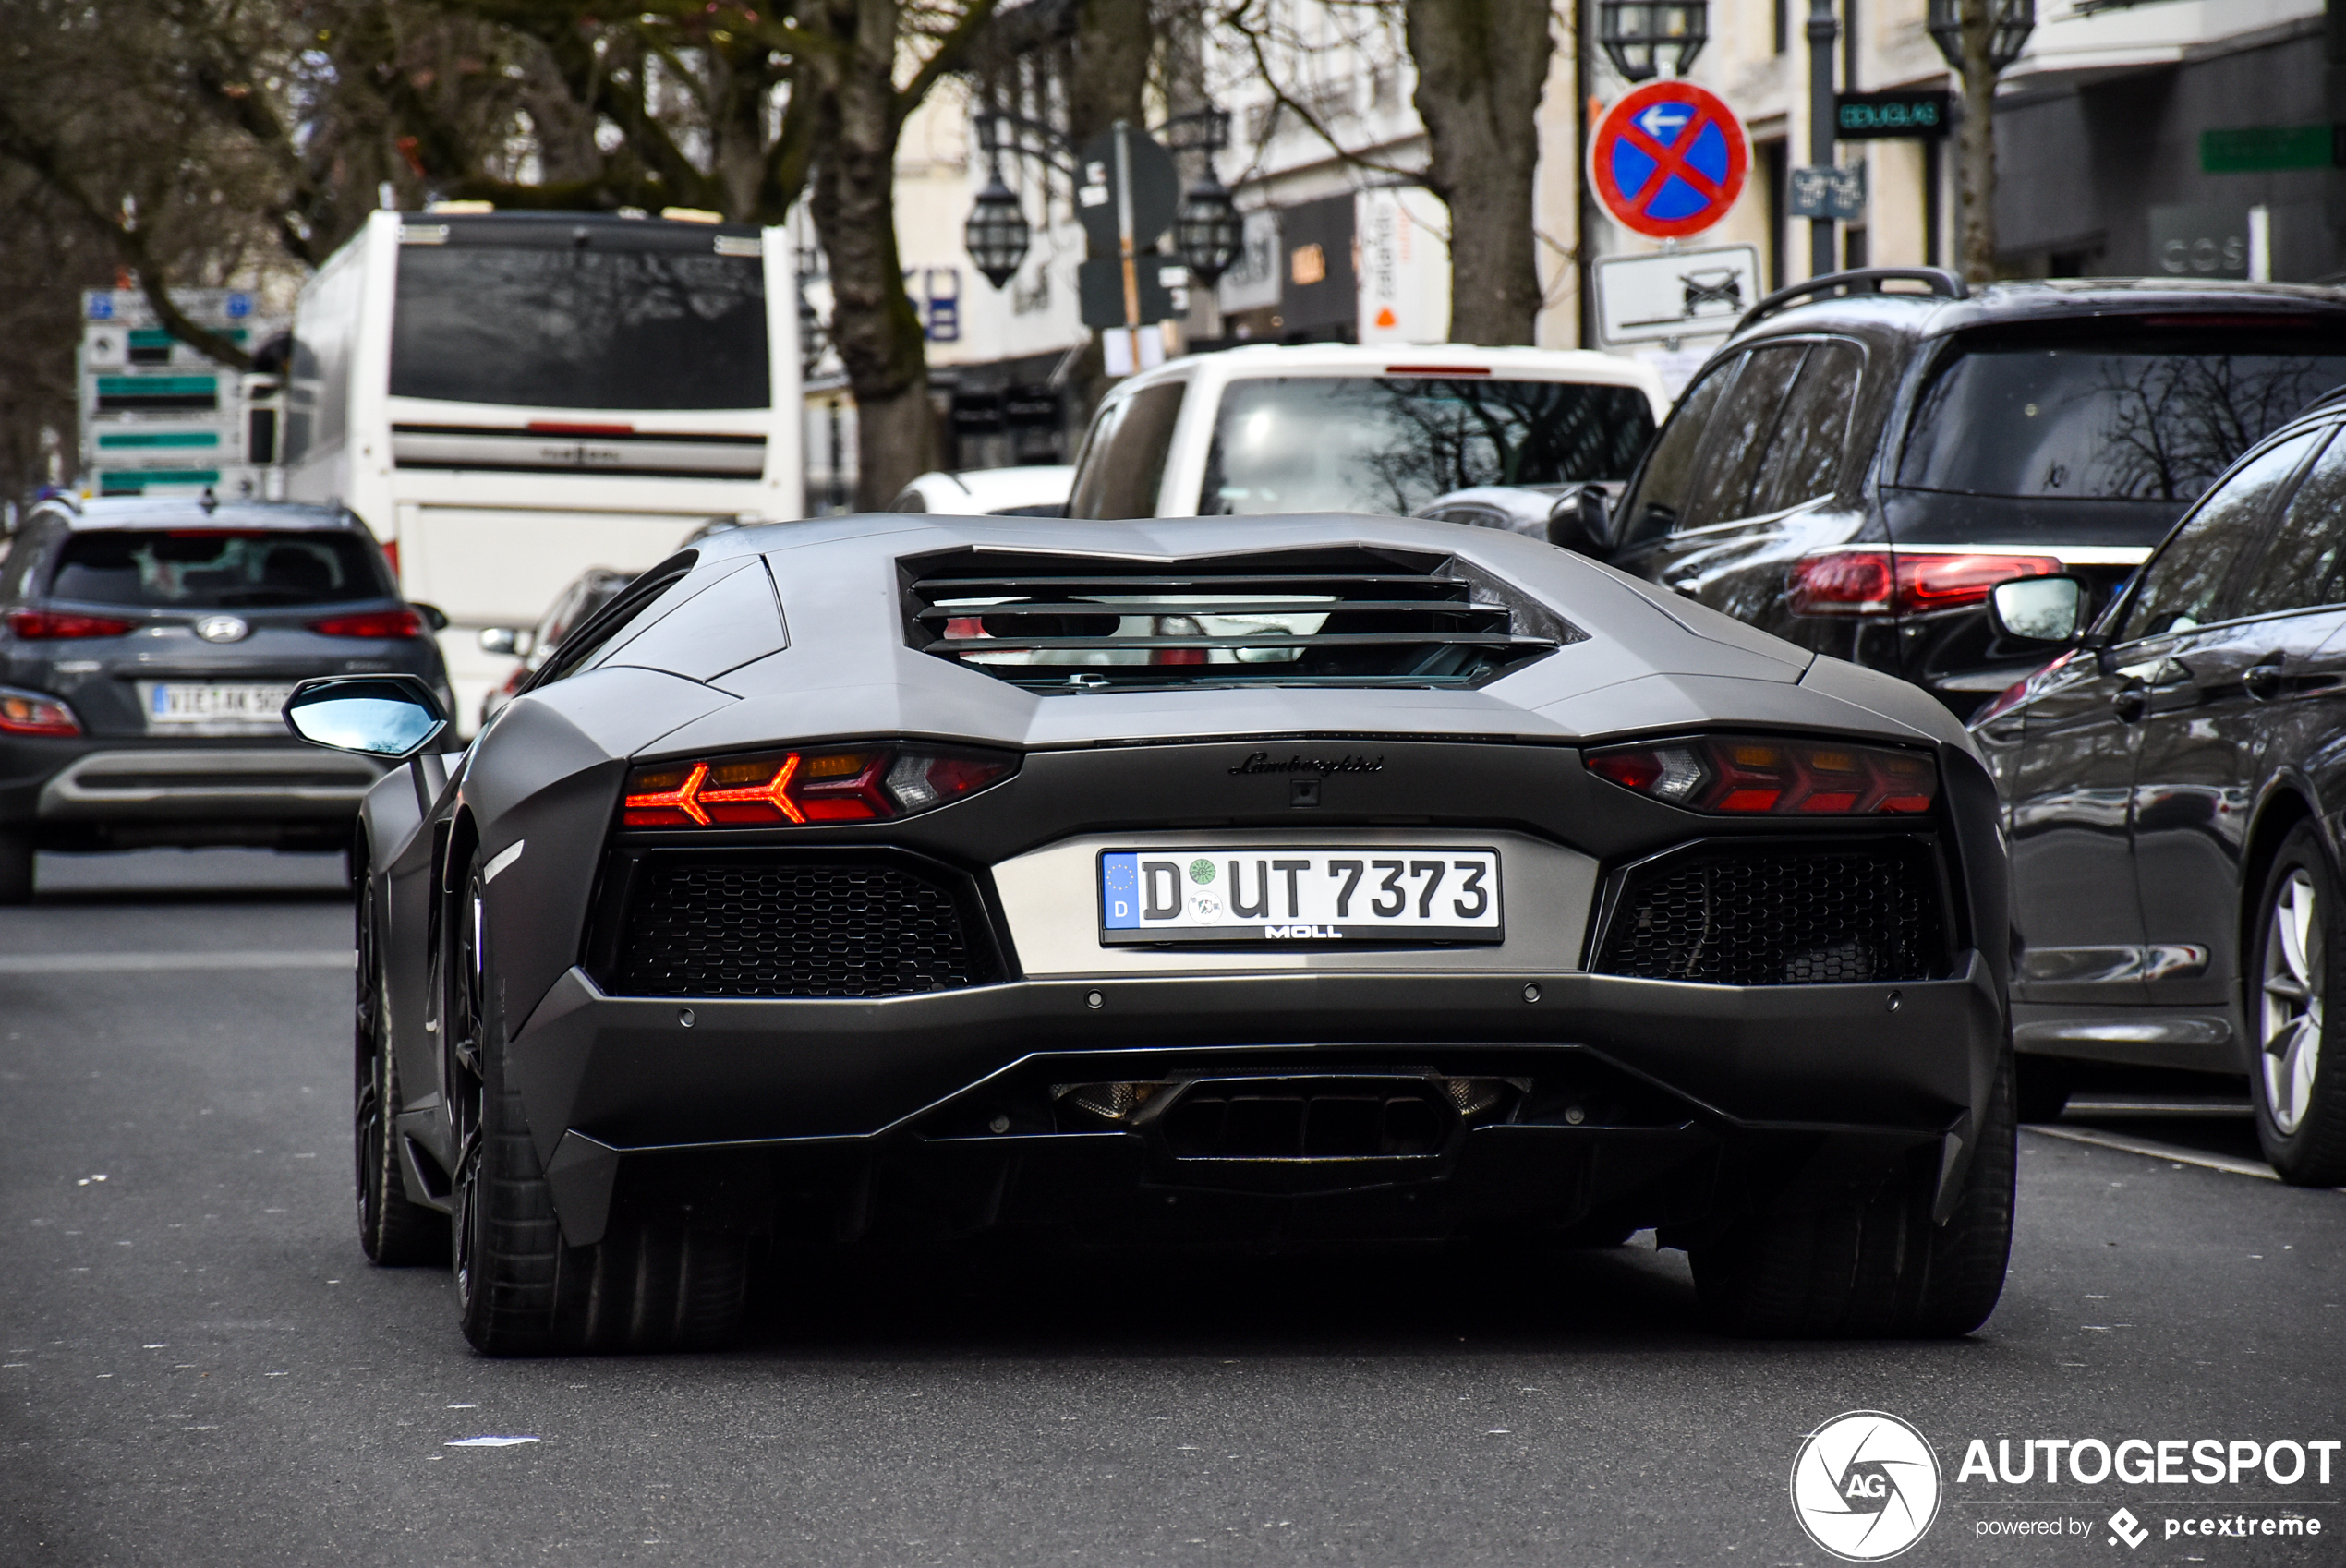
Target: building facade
2154,137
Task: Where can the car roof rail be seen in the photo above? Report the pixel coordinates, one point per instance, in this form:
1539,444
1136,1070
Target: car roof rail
2329,399
1943,284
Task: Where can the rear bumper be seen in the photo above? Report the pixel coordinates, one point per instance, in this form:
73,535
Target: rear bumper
919,1083
67,788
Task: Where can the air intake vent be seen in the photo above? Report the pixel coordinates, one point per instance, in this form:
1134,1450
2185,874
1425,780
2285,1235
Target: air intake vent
1782,914
744,925
1329,618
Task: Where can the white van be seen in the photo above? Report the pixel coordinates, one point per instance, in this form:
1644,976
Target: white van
1337,428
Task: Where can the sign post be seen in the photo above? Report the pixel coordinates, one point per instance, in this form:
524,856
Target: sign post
1125,200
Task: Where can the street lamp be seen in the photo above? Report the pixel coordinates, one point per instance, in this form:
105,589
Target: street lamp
1206,230
1636,34
997,234
2009,23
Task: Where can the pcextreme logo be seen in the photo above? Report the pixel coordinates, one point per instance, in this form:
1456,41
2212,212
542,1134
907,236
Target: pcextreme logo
1865,1486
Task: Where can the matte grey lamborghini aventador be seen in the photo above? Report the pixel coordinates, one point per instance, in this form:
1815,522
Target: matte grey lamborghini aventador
1261,879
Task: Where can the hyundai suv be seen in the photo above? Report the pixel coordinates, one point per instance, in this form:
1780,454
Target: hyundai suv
147,648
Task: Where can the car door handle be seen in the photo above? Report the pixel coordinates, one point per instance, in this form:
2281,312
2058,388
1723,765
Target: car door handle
2263,681
2129,703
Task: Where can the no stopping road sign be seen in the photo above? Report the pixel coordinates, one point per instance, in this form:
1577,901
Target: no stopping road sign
1668,160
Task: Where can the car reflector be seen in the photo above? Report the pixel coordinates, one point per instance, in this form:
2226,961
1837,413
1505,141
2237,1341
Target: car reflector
866,783
1881,581
1768,775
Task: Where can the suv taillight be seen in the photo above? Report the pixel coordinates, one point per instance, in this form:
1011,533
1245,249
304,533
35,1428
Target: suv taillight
33,713
377,624
41,625
868,783
1881,581
1769,775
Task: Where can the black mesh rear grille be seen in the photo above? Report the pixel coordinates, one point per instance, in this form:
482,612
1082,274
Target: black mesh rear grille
791,928
1806,914
1344,616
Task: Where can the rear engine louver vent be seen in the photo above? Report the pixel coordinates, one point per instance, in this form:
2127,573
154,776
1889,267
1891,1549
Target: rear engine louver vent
1326,618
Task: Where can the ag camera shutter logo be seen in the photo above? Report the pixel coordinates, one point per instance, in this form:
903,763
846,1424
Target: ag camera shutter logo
1865,1486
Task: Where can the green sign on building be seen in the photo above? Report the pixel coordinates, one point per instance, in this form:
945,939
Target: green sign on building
2255,150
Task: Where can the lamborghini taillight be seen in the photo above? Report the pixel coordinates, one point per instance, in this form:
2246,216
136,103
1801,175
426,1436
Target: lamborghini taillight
866,783
1769,775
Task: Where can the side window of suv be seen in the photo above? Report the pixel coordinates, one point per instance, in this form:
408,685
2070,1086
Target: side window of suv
2183,586
2300,568
1728,478
1668,476
1806,458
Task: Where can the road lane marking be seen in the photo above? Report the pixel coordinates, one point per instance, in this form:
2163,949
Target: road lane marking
143,963
2155,1150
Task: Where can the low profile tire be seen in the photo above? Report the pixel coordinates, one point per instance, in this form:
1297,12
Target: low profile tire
2297,1079
651,1283
2042,1085
394,1232
1858,1257
16,867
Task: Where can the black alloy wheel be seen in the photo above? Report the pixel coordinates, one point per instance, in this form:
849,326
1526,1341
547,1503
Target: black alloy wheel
2297,1078
394,1231
653,1283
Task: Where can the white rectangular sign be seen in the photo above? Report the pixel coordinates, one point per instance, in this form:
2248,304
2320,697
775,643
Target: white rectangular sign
1676,293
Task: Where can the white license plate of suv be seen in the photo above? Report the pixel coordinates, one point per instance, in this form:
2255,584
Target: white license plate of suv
1279,896
186,702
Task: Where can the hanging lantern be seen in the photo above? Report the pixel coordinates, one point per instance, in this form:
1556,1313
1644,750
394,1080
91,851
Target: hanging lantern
997,234
1207,231
1641,36
2010,22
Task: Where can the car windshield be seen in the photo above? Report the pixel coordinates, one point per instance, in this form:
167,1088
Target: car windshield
580,329
1391,445
2130,420
215,569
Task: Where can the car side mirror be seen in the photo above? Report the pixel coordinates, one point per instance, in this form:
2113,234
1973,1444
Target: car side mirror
1582,521
378,716
507,640
434,617
2038,610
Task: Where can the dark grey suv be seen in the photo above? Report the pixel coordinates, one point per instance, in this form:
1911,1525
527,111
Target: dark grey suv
146,651
1856,473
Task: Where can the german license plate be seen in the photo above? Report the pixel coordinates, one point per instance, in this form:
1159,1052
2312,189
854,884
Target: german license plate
182,702
1277,895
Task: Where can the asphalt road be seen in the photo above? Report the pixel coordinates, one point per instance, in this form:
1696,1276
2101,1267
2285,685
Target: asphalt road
201,1367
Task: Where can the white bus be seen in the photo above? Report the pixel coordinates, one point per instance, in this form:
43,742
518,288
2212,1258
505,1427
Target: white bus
511,398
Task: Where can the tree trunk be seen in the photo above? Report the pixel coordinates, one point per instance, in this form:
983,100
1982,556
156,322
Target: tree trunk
1110,67
1975,148
874,325
1481,67
1108,75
